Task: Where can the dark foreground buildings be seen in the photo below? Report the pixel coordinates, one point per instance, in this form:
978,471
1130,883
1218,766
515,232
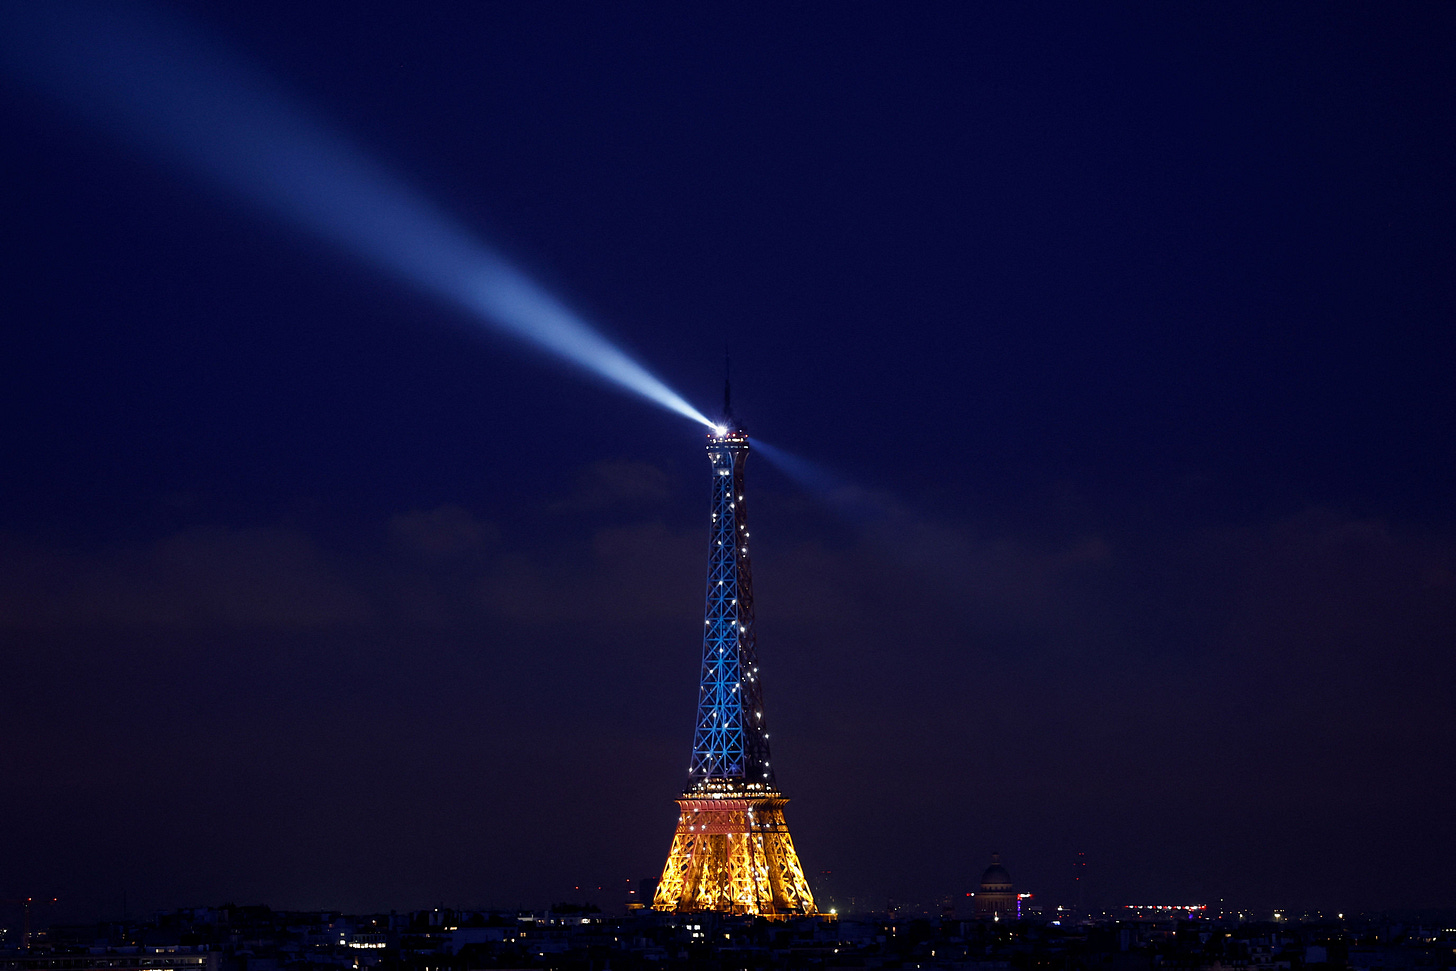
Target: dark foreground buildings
574,939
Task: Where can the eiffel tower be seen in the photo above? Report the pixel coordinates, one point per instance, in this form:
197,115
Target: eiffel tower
731,853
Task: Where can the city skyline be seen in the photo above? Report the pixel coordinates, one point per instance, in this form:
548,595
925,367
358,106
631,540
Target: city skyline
1107,352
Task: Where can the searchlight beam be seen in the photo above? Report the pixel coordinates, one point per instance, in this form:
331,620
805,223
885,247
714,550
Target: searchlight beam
167,89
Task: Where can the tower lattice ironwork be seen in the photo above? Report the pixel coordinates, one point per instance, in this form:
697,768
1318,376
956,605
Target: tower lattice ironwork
731,852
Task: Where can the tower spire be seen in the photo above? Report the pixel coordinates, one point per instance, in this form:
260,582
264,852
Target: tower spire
727,387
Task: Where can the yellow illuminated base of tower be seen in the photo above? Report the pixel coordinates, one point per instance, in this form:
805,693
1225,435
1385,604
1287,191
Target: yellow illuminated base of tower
733,856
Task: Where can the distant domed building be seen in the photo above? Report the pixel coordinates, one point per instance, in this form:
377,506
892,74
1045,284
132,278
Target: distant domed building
996,898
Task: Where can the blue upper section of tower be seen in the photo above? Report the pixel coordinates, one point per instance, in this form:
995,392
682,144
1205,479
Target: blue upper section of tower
730,744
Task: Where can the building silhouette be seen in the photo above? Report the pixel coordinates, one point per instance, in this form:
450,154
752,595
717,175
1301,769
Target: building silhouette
997,898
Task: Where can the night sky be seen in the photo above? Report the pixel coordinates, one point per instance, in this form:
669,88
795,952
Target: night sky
1124,331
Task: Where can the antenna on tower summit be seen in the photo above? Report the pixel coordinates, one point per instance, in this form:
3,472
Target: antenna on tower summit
727,386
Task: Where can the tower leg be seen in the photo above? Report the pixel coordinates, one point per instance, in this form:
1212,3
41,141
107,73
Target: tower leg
733,856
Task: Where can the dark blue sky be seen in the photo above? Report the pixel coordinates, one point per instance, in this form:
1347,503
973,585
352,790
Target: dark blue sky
1132,324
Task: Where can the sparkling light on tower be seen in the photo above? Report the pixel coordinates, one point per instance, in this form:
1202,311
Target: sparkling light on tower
731,852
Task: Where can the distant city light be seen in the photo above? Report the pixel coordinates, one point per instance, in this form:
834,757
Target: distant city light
1170,907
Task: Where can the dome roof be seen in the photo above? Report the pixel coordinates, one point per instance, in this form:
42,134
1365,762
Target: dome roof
996,877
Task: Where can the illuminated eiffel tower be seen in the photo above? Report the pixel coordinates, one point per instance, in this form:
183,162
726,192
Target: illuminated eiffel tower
731,852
